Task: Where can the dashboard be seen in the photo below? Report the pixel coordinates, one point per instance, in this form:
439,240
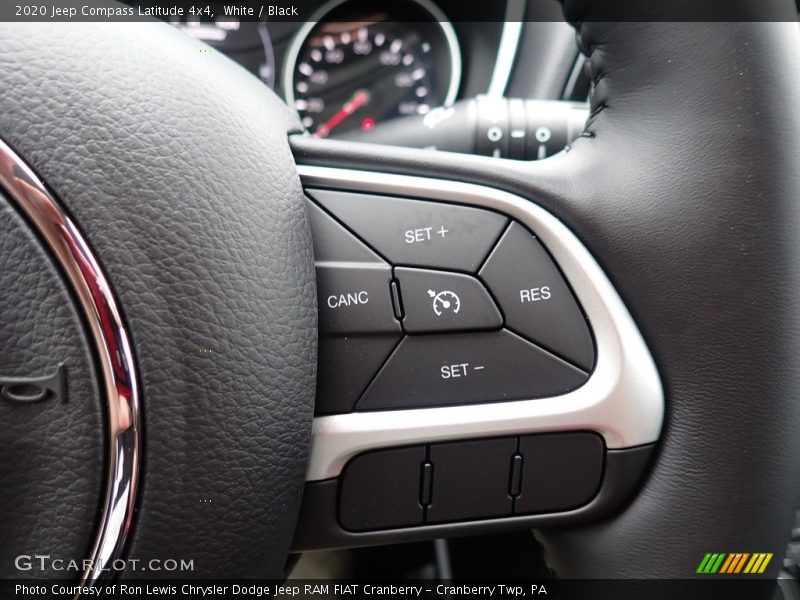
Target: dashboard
355,64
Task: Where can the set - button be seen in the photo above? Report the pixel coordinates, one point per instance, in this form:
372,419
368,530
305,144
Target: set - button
440,370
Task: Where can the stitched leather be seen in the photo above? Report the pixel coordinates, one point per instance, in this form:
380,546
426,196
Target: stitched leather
715,120
51,453
687,195
174,162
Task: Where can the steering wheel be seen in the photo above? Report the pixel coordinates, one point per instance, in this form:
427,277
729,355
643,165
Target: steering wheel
158,276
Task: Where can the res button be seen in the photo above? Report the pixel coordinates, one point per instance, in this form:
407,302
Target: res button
534,297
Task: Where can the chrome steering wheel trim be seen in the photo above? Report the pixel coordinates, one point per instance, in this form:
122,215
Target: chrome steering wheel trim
114,354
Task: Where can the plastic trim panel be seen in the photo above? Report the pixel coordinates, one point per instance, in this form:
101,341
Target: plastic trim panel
623,400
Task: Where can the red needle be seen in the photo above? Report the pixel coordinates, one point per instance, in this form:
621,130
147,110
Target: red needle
358,100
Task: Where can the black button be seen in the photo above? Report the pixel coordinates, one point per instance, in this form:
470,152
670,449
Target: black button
381,489
334,243
417,233
346,366
353,283
560,471
471,480
355,298
442,301
465,368
534,297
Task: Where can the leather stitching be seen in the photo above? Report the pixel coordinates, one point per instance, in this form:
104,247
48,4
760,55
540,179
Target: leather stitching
592,49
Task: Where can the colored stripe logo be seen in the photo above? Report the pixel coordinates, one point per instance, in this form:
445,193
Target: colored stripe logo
734,563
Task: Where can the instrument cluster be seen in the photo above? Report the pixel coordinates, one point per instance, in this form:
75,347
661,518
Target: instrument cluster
353,64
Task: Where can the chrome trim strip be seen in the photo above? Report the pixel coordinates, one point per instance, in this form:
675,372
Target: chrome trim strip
574,76
508,48
293,53
113,348
623,399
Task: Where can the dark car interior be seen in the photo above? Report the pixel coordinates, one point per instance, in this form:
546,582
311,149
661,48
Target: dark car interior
421,296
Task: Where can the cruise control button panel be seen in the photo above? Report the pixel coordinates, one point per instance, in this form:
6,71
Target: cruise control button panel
467,391
425,304
441,301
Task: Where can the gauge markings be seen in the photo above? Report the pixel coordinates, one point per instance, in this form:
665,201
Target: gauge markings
393,80
353,57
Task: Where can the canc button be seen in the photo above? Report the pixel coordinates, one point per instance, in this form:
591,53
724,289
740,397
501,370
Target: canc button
534,297
355,298
353,283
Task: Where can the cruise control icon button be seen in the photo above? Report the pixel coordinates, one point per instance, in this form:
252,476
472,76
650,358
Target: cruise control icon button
443,301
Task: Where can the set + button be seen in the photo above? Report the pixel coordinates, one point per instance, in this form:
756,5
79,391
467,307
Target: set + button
417,233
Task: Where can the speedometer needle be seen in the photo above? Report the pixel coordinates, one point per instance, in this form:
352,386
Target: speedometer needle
359,99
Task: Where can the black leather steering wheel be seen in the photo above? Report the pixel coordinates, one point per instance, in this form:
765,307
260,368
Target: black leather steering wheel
178,169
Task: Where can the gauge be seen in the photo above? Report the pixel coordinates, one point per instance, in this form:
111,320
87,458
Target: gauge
248,43
352,65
